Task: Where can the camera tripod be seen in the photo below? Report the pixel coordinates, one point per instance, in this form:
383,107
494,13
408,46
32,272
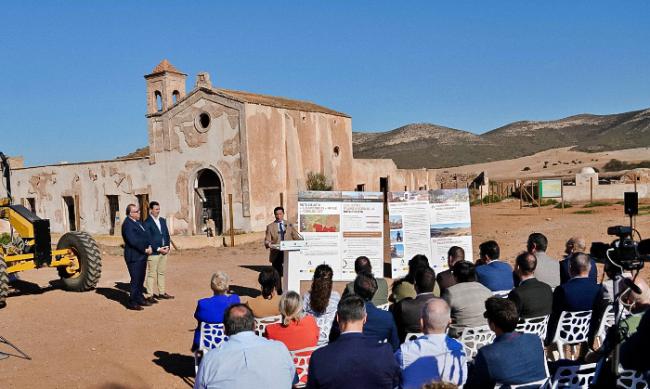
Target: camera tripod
4,355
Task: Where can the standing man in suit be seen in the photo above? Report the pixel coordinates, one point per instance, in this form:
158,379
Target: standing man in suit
446,279
407,312
532,297
354,360
137,247
156,226
548,269
276,232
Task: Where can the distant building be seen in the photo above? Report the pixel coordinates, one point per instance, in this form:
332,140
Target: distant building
203,146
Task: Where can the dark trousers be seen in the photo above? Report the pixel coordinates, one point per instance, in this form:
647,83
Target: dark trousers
137,271
277,261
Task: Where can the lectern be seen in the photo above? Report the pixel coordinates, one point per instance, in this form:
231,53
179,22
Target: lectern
294,259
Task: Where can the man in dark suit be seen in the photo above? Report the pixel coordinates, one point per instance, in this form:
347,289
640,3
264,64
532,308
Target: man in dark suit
573,246
379,324
513,357
446,279
532,297
495,274
408,312
156,226
276,232
137,246
578,294
354,360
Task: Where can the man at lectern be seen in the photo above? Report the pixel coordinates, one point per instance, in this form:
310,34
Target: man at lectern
278,231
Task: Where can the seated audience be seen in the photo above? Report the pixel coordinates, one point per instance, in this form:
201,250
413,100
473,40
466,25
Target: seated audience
513,357
267,303
379,323
403,288
321,301
548,269
466,299
211,309
578,294
297,330
446,279
494,274
434,356
362,264
245,360
407,313
532,297
575,245
354,360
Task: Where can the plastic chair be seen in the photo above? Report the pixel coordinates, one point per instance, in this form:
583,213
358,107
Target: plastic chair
501,293
534,325
572,329
631,379
608,320
212,336
576,376
384,307
412,336
301,362
473,338
261,323
543,383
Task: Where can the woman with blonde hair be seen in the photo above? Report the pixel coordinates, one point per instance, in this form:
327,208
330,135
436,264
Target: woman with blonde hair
297,330
211,309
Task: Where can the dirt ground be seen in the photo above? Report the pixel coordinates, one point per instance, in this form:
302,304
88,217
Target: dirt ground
89,340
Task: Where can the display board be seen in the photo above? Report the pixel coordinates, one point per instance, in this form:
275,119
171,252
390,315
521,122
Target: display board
429,223
339,227
550,188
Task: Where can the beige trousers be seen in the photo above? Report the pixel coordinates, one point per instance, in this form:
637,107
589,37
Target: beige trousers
156,267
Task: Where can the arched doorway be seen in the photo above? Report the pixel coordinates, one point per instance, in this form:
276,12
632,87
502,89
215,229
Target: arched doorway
207,201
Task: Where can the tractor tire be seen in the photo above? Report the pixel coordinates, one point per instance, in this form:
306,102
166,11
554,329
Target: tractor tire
4,283
90,261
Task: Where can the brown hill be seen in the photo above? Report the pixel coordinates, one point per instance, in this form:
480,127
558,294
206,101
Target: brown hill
432,146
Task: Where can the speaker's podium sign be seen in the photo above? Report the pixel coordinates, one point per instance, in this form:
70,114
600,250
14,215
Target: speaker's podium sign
337,227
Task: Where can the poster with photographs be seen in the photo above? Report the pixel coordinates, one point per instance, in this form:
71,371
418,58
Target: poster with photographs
409,228
341,226
450,225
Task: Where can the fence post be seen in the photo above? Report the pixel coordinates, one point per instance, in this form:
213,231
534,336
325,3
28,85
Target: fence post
521,195
591,189
232,226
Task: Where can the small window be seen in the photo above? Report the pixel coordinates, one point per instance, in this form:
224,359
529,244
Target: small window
336,151
158,98
202,122
361,188
175,97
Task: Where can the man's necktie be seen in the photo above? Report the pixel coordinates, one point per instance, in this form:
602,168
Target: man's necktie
282,231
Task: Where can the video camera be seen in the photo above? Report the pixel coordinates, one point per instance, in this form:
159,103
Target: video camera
624,252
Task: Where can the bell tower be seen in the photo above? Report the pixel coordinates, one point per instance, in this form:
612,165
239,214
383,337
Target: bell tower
165,87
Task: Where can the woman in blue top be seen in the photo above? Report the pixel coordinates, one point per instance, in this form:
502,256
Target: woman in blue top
211,309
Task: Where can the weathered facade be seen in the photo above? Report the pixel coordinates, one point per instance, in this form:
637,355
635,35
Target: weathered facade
204,146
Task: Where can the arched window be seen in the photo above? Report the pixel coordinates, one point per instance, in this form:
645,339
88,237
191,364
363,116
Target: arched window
175,97
158,97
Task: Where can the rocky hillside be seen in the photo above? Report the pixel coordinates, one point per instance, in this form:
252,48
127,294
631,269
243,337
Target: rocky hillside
429,145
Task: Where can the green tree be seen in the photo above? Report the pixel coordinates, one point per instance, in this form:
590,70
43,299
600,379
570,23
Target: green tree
318,181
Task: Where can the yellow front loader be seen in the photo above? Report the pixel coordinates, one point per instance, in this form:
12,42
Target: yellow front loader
76,257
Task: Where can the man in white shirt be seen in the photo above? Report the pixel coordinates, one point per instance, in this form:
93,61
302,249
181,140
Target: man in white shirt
157,262
434,356
245,360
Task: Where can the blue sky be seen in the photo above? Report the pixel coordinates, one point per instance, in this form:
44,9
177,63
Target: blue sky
72,86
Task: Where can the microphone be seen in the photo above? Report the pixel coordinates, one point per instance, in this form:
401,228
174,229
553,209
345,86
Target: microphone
630,284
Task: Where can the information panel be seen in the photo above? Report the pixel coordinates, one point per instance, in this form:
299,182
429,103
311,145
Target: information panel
339,227
409,228
550,188
451,225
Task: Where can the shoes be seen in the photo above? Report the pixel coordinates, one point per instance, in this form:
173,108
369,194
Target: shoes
146,303
157,297
152,300
165,297
134,307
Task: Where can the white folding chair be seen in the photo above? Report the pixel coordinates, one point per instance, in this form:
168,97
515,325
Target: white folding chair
539,384
631,379
608,320
473,338
301,362
534,325
577,376
412,336
572,329
212,335
384,307
262,322
501,293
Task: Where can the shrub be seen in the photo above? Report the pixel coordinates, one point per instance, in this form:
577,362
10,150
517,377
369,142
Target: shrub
318,181
566,205
5,238
525,169
597,204
585,212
